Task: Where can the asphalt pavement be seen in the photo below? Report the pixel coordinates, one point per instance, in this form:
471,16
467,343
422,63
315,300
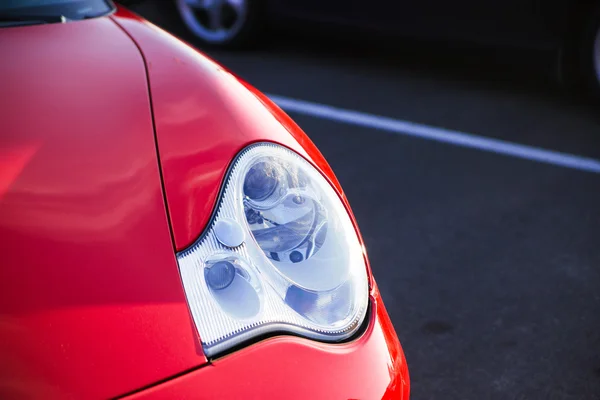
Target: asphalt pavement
489,264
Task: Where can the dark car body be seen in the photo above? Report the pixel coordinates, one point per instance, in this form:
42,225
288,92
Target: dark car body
525,23
560,37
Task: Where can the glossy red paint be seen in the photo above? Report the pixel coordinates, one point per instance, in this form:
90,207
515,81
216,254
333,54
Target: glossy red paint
91,303
371,367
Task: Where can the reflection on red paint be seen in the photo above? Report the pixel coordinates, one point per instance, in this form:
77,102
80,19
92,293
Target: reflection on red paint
13,160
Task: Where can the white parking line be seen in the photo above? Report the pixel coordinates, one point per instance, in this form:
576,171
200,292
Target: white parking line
438,134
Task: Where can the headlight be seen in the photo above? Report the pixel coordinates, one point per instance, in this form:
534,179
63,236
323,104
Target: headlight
280,255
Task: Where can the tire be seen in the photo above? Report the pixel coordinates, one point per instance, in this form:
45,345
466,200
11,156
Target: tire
223,23
589,54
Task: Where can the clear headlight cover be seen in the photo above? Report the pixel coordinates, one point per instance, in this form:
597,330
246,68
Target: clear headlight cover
280,255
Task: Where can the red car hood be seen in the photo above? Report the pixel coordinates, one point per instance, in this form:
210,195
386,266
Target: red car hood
91,303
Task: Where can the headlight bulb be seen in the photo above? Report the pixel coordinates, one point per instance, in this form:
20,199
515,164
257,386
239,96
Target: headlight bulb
219,275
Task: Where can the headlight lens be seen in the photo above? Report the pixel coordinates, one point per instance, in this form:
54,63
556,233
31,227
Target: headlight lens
300,268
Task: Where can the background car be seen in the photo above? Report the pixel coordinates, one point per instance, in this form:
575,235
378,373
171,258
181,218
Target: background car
563,33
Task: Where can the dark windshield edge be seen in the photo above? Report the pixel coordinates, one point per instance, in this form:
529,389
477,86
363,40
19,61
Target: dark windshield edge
111,11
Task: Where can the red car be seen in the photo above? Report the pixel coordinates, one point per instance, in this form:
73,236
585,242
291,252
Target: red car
167,231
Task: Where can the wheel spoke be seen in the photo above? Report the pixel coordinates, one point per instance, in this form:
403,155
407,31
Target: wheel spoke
237,5
215,21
